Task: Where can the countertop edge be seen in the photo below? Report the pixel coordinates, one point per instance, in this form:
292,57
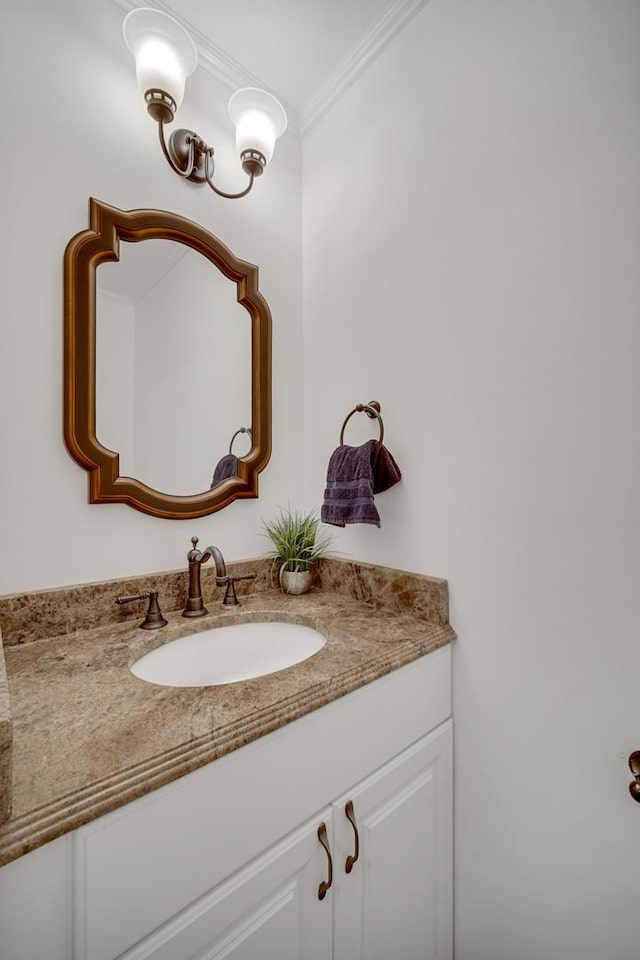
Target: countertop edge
24,834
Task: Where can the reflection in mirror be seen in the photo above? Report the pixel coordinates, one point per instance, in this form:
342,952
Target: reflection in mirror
173,375
228,465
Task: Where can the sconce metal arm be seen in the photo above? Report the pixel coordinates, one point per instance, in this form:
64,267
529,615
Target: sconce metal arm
221,193
199,164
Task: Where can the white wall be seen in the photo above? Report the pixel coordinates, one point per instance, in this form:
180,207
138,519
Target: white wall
75,126
470,235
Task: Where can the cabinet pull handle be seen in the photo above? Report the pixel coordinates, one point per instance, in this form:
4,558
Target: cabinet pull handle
326,884
351,817
634,766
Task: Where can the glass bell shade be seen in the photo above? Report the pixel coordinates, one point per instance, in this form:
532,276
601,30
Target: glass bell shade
164,52
259,120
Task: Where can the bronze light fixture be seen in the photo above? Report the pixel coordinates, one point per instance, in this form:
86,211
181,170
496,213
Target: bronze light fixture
165,56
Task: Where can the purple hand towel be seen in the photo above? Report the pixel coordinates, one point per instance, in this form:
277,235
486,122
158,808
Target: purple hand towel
354,474
225,468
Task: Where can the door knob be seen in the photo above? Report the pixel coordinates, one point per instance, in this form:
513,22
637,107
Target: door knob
634,766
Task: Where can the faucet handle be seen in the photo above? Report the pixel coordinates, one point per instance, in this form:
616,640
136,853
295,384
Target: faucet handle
230,595
153,619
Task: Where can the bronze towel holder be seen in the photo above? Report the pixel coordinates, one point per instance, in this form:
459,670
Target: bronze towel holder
372,410
237,433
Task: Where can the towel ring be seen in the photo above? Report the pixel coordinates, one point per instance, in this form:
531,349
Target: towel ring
372,410
241,430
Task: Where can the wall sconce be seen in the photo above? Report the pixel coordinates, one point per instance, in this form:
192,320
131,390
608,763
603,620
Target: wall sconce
165,56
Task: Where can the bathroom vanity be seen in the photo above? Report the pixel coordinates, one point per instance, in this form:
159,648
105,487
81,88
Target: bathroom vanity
306,814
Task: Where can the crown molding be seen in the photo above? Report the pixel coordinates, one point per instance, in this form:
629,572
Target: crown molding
215,60
369,47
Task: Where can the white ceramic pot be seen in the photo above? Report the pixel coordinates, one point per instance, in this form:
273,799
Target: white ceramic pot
295,582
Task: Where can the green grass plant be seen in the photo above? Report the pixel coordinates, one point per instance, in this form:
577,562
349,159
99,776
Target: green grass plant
295,539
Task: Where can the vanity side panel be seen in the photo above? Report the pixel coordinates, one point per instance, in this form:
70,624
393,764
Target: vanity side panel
35,904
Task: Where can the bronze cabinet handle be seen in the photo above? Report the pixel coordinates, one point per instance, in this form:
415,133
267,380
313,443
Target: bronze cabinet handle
634,766
326,884
351,817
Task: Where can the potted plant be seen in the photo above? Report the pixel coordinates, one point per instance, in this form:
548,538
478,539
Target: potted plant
295,539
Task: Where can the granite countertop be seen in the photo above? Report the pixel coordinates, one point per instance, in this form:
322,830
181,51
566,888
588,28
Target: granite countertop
88,736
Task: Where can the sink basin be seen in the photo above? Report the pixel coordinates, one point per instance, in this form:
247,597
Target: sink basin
228,654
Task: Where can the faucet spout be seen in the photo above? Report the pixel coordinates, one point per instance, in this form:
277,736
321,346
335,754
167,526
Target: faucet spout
195,558
218,559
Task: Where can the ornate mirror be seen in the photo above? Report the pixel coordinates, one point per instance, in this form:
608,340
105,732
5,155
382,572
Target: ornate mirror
167,364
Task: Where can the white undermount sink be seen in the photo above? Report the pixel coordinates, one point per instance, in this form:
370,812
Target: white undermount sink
228,654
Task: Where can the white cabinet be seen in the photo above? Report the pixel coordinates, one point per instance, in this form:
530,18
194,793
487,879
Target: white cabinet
395,899
389,867
226,862
35,904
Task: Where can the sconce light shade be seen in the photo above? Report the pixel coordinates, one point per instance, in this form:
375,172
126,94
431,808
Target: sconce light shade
259,120
165,56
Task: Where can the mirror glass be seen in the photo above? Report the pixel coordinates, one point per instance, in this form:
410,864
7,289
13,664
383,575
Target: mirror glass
173,367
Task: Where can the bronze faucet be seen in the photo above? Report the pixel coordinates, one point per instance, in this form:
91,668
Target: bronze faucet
195,607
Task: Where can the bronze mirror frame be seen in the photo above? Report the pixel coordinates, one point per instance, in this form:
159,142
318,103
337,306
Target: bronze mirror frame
83,254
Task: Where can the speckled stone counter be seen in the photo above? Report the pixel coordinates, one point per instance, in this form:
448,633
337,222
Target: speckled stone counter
6,742
88,736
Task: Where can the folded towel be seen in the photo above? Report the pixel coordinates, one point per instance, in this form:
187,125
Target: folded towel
354,474
225,468
386,471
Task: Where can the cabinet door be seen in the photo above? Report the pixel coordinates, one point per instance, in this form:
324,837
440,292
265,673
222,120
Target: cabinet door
35,906
268,910
396,901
